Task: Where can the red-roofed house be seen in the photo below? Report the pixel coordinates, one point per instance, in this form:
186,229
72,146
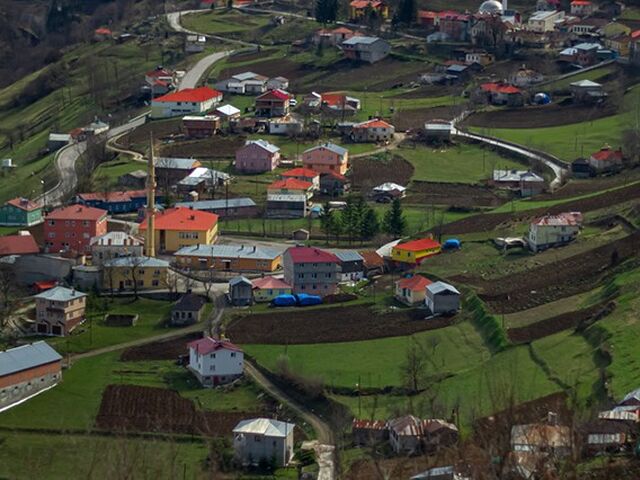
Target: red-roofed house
427,18
358,8
503,94
182,227
606,159
374,130
311,270
215,361
18,245
267,288
20,212
160,80
415,251
304,174
291,186
274,103
582,8
339,103
185,102
101,34
412,290
333,37
72,228
114,202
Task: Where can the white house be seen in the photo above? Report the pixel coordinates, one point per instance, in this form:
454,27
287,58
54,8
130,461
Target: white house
114,245
263,438
215,361
553,230
185,102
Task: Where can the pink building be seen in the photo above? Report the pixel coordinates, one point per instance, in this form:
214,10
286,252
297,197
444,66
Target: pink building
326,158
71,228
257,156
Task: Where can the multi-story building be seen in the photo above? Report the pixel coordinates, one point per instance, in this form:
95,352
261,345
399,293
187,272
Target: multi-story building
415,251
358,9
115,245
180,227
125,201
215,361
374,130
263,440
582,8
366,49
544,21
72,228
135,273
274,103
185,102
59,310
257,156
326,158
553,230
311,270
20,212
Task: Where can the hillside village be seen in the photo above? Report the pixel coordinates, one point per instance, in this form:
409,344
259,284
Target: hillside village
324,240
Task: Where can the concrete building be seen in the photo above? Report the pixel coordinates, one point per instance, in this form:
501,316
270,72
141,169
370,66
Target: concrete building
311,270
326,158
553,230
204,126
274,103
257,156
146,273
351,266
442,298
229,258
374,130
72,228
26,371
286,205
215,361
187,310
544,21
261,439
240,291
59,310
115,245
243,207
180,227
366,49
185,102
20,212
524,182
412,290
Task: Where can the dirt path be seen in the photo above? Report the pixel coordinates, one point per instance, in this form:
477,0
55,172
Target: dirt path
398,138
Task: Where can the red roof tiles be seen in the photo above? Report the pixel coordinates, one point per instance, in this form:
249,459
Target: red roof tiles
270,282
18,245
197,95
77,212
418,245
274,95
183,219
416,283
208,345
24,204
606,154
300,172
500,88
311,255
290,184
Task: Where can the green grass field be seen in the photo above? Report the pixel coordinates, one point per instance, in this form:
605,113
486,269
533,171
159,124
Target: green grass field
593,75
110,171
463,163
232,23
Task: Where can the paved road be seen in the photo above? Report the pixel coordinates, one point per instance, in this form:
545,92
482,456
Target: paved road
195,73
174,22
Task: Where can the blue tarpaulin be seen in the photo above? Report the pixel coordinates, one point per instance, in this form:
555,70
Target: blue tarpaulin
452,243
306,300
284,301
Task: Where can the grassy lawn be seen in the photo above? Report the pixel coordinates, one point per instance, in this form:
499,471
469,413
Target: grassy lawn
9,230
593,75
110,171
226,22
463,163
25,455
95,334
343,364
579,139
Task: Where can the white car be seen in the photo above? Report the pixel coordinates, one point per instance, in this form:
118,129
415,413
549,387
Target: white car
293,102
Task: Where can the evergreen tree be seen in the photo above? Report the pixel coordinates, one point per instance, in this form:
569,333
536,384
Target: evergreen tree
326,11
370,224
326,220
336,226
406,12
394,221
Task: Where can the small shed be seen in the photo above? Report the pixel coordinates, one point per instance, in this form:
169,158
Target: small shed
442,298
581,168
240,291
187,310
369,432
300,235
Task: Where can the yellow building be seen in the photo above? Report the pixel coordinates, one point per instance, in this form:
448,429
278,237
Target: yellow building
124,272
180,227
358,8
415,251
229,258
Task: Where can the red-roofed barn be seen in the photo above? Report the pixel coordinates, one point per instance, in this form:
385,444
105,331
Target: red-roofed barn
185,102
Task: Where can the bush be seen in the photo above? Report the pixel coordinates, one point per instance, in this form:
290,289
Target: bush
488,325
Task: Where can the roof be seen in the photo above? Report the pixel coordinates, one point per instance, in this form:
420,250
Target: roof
290,184
200,94
348,256
368,424
373,123
542,435
361,40
269,147
159,72
183,219
389,187
136,262
230,251
27,356
265,426
103,31
607,154
371,258
77,212
238,280
176,163
59,137
500,88
18,245
228,110
585,84
24,204
286,197
332,147
276,94
190,302
218,204
516,176
61,294
270,283
201,174
416,283
406,426
436,473
439,287
556,220
208,345
311,255
112,197
301,172
117,239
418,245
581,2
365,3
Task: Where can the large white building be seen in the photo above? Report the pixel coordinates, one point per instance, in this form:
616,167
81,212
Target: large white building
263,438
544,21
185,102
215,361
553,230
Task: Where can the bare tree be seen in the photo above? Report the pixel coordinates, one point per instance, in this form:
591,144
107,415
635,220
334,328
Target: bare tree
412,368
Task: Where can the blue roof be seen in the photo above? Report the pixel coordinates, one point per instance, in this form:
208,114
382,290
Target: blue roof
26,357
457,68
60,294
218,204
360,40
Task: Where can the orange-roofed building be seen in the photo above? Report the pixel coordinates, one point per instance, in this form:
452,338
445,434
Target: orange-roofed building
327,158
180,227
582,8
188,101
304,174
333,37
412,290
267,288
503,94
415,251
101,34
358,8
374,130
291,186
606,159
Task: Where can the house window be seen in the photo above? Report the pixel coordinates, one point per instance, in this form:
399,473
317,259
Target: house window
233,354
256,438
155,283
212,368
213,355
52,222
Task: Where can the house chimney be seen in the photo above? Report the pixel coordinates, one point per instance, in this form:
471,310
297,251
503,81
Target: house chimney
504,5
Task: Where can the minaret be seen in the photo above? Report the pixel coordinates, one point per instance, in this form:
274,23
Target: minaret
150,240
504,6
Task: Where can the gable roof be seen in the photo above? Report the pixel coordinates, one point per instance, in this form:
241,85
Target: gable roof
500,88
140,262
371,258
311,255
270,282
332,147
60,294
24,204
606,154
175,163
77,212
183,219
117,239
365,3
256,252
208,345
276,94
373,123
196,95
189,302
269,147
416,283
25,357
265,426
290,184
218,204
361,40
112,197
300,172
18,245
238,280
439,287
585,84
348,256
418,245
